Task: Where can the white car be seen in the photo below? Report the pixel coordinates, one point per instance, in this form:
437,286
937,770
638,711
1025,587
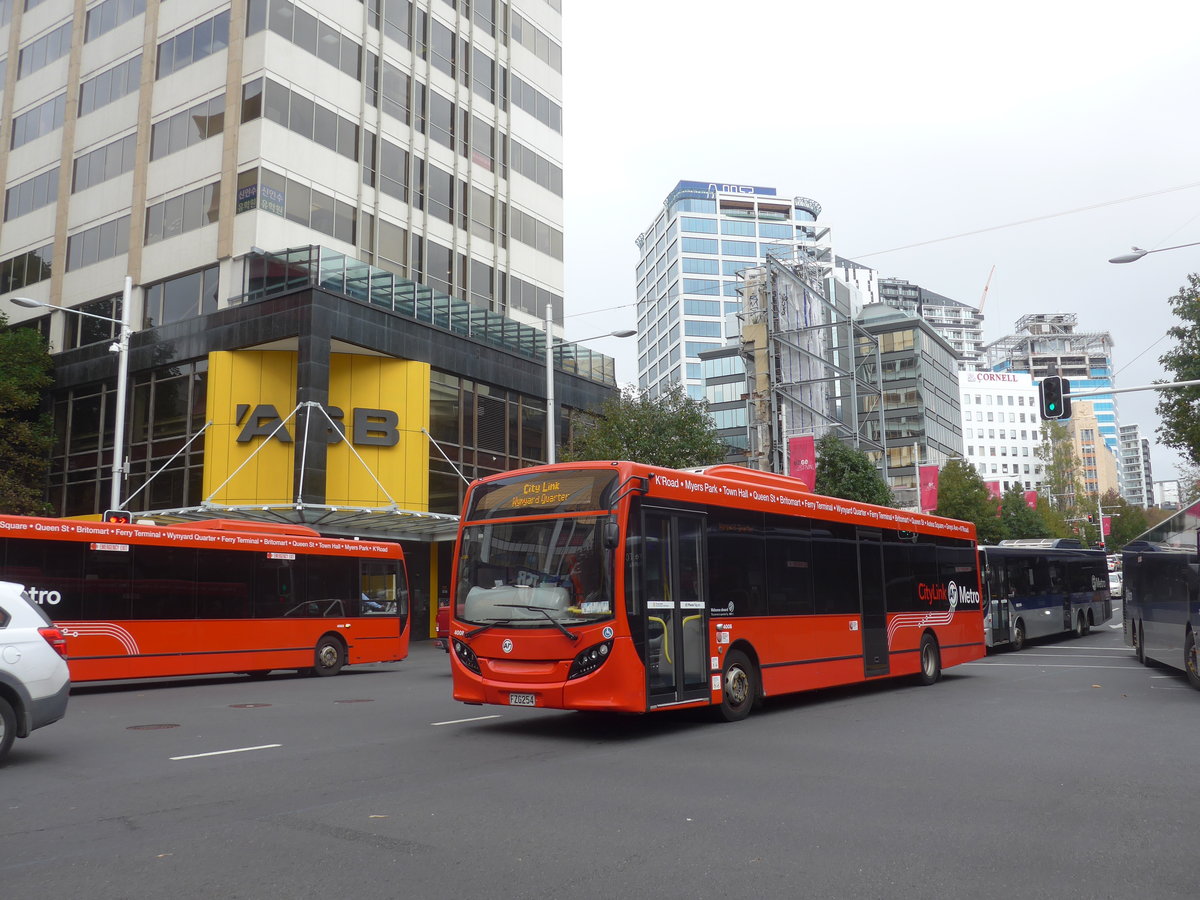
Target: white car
1116,584
34,681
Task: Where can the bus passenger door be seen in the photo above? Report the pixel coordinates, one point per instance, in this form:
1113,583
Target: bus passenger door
999,606
873,602
674,575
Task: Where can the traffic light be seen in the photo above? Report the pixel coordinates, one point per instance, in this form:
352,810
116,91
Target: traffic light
120,516
1054,397
1091,518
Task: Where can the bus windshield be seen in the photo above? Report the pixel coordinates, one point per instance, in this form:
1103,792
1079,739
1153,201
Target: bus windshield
535,573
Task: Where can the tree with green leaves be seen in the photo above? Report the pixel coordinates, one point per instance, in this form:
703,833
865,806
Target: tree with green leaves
1061,466
1179,408
670,430
1126,521
847,472
26,437
1017,519
963,495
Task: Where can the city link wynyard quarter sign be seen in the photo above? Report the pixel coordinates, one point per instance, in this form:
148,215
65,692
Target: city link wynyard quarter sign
368,427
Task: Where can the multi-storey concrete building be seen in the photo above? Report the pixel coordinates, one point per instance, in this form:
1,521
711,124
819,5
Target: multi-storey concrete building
408,152
1137,477
1048,344
961,325
920,393
1001,427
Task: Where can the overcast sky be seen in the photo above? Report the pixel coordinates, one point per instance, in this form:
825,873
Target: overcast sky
908,122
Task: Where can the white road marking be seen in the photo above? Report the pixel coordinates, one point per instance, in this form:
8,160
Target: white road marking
223,752
460,721
1037,665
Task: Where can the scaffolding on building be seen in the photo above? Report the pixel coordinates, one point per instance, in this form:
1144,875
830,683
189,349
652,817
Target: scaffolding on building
1048,344
807,361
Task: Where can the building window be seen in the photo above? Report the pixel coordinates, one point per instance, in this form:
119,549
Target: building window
42,119
104,163
196,43
98,243
184,213
32,193
202,121
183,297
104,17
112,84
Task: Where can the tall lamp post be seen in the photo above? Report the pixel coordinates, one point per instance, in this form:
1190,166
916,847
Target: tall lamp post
121,348
551,406
1137,253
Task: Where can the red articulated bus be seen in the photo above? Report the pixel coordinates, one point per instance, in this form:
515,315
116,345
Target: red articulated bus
153,601
623,587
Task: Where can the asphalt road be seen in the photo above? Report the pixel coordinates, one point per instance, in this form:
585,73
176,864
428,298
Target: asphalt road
1066,770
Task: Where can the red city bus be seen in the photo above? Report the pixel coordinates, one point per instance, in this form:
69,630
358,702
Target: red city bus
153,601
622,587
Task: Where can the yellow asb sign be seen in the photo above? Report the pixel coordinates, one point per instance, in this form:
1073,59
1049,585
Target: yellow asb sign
376,451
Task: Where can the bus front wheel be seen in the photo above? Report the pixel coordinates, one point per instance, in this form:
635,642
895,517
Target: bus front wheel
931,661
1139,643
1190,662
1018,636
329,657
738,687
1080,626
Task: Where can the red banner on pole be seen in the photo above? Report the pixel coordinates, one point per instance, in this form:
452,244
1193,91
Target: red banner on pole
802,459
1106,525
928,481
1031,499
993,489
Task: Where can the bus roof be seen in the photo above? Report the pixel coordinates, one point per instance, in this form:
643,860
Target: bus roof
226,534
738,486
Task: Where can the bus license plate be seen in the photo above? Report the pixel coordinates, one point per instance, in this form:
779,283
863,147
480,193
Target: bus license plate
521,700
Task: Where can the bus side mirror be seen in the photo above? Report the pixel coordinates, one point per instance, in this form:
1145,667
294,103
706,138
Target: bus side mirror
612,534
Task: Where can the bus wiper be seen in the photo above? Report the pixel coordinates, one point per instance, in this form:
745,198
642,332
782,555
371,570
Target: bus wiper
482,628
545,612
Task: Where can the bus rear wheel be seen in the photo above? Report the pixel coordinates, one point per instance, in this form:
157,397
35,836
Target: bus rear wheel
1190,663
931,661
1080,626
739,687
329,657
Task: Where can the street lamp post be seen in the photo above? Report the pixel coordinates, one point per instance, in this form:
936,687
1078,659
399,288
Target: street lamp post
1138,253
121,348
551,406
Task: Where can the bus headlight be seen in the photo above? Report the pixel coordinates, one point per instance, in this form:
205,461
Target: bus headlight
466,656
589,660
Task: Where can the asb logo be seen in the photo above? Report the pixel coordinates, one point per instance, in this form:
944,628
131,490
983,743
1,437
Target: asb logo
368,427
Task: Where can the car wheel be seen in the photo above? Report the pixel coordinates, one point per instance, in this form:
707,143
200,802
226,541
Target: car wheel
329,657
8,727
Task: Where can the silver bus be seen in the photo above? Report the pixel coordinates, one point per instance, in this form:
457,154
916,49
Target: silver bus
1039,588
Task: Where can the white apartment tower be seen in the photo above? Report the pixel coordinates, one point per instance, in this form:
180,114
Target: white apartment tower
1002,428
688,271
164,140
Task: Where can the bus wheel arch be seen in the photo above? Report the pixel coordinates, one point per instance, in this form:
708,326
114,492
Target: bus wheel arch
1191,664
929,659
741,686
1018,635
329,656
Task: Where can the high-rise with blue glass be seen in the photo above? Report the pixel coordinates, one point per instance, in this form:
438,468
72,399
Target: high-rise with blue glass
687,273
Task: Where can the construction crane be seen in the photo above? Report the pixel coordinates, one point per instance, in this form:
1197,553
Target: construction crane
987,284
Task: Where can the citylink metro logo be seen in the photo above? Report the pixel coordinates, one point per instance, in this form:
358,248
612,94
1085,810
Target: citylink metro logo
963,596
